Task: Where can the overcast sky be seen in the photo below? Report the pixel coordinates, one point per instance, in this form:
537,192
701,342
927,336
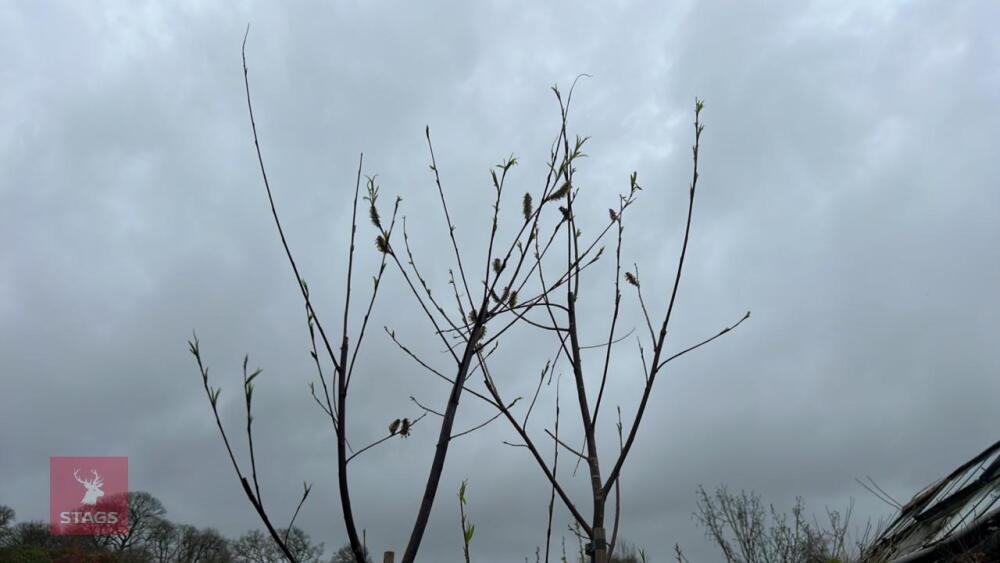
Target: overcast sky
848,197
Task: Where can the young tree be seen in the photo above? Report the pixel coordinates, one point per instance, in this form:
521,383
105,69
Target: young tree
517,281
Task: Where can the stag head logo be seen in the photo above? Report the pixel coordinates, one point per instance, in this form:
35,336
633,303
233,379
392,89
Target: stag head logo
102,481
93,487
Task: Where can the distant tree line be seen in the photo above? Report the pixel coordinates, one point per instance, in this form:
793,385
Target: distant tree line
741,525
152,538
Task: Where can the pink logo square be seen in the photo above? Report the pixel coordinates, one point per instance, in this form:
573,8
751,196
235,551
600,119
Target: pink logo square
88,496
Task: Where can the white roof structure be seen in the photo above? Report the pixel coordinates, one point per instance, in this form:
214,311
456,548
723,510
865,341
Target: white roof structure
950,515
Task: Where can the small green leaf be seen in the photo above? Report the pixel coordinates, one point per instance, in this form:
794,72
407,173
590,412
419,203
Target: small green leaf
633,182
253,375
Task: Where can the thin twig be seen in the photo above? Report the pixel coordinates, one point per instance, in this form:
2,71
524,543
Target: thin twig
563,444
274,211
305,494
383,439
447,216
489,420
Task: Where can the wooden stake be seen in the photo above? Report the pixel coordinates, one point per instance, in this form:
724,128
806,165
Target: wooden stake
600,546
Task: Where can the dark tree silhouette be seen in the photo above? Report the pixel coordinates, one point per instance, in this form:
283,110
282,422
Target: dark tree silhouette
517,281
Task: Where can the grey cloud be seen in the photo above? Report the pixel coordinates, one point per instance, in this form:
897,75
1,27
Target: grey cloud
846,198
